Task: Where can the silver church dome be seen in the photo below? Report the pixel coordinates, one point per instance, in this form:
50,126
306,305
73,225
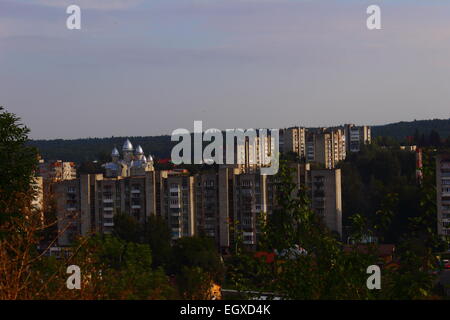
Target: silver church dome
127,146
115,152
139,150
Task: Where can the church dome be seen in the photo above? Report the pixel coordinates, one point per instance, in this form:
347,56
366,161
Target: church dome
139,150
115,152
150,158
127,146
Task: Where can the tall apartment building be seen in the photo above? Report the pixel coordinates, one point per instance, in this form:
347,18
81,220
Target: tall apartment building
214,205
326,195
324,149
177,202
443,194
229,201
252,195
68,206
326,146
294,140
310,146
357,136
339,146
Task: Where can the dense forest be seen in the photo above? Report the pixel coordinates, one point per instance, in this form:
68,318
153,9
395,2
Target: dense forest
377,177
401,130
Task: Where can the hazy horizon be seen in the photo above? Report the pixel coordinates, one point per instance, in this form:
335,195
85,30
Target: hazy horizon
145,68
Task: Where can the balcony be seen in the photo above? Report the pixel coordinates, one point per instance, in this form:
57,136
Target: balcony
108,200
108,224
175,205
108,209
248,238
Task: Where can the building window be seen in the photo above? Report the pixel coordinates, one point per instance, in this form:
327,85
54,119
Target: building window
71,189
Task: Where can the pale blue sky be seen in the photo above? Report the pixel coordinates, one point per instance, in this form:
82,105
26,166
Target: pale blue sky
147,67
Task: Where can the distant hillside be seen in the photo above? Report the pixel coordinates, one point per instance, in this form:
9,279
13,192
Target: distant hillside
400,130
81,150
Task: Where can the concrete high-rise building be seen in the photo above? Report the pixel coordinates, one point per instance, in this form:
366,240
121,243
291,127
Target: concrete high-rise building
177,202
252,195
326,146
207,203
310,146
443,194
294,140
326,195
68,206
356,137
230,202
339,145
324,149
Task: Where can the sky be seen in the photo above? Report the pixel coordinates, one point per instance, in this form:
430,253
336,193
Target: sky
148,67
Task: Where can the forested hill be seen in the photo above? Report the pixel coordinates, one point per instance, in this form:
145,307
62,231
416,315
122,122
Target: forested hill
400,130
81,150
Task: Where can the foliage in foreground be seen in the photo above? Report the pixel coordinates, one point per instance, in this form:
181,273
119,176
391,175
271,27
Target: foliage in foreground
327,271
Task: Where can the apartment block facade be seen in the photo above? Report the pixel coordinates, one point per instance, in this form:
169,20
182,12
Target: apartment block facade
326,146
326,195
356,136
443,194
294,140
